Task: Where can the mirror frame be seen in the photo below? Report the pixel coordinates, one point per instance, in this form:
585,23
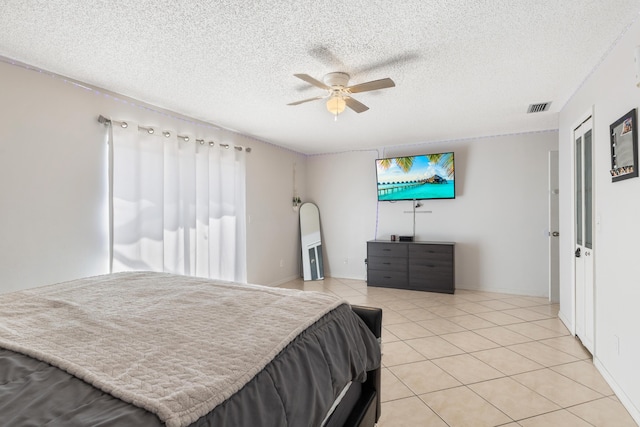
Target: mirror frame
311,242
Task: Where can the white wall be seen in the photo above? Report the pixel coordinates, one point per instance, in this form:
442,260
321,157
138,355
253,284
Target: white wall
53,187
343,187
609,92
273,227
52,181
498,219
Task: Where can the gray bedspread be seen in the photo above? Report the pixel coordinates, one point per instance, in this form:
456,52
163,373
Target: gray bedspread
177,346
295,389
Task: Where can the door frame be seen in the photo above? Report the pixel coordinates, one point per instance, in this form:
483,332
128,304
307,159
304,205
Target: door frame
554,225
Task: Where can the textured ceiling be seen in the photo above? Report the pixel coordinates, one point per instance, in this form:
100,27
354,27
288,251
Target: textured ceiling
462,68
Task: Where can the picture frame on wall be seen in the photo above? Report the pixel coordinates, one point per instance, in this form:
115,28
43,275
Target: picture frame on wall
624,147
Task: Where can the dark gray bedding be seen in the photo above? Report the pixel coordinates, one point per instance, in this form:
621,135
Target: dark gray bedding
295,390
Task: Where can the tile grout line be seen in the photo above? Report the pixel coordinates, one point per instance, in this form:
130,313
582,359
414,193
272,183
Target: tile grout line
399,303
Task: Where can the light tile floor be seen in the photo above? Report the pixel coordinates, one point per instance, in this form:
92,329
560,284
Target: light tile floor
477,359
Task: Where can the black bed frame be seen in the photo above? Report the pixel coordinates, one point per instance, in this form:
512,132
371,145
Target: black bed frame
360,406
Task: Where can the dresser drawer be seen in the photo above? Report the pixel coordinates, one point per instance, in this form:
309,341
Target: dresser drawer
431,252
432,277
431,264
387,263
391,279
430,272
379,249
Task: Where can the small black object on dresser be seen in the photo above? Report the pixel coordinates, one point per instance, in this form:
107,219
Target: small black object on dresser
421,266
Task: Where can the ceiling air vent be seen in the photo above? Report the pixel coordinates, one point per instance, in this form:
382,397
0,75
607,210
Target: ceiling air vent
539,108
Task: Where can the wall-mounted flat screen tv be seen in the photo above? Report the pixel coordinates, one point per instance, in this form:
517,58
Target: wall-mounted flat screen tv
427,176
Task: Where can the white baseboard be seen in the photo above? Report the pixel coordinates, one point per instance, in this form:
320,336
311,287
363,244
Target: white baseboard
281,281
499,290
566,322
620,394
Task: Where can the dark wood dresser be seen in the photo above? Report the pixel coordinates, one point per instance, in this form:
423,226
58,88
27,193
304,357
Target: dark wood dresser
421,266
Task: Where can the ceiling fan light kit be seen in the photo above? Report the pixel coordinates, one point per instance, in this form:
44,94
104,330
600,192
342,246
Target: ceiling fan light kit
336,105
339,93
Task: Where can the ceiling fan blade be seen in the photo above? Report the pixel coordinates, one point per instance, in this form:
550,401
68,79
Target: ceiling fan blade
325,56
401,59
307,78
306,100
372,85
356,106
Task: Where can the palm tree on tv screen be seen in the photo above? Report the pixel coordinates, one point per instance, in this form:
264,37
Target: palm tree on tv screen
403,163
444,160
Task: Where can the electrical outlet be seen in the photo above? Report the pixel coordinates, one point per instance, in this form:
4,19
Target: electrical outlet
616,341
346,261
281,263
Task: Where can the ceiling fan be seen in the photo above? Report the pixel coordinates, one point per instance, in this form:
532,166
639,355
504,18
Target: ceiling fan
339,93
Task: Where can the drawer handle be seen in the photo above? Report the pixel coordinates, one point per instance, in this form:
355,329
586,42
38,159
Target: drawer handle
386,263
387,277
386,250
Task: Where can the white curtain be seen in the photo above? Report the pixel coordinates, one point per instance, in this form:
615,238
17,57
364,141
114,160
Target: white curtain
178,206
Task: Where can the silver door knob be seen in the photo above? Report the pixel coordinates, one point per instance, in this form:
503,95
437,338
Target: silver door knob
555,234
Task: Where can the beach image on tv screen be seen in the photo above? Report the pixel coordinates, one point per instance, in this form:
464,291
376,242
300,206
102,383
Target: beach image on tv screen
429,176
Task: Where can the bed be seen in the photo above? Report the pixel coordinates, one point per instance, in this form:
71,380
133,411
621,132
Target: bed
154,349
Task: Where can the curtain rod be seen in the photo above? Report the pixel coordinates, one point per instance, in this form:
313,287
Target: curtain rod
106,121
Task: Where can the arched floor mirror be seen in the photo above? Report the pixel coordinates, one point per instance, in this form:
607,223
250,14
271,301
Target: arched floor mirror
311,242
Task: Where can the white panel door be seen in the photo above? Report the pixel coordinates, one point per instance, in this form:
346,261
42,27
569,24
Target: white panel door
584,248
